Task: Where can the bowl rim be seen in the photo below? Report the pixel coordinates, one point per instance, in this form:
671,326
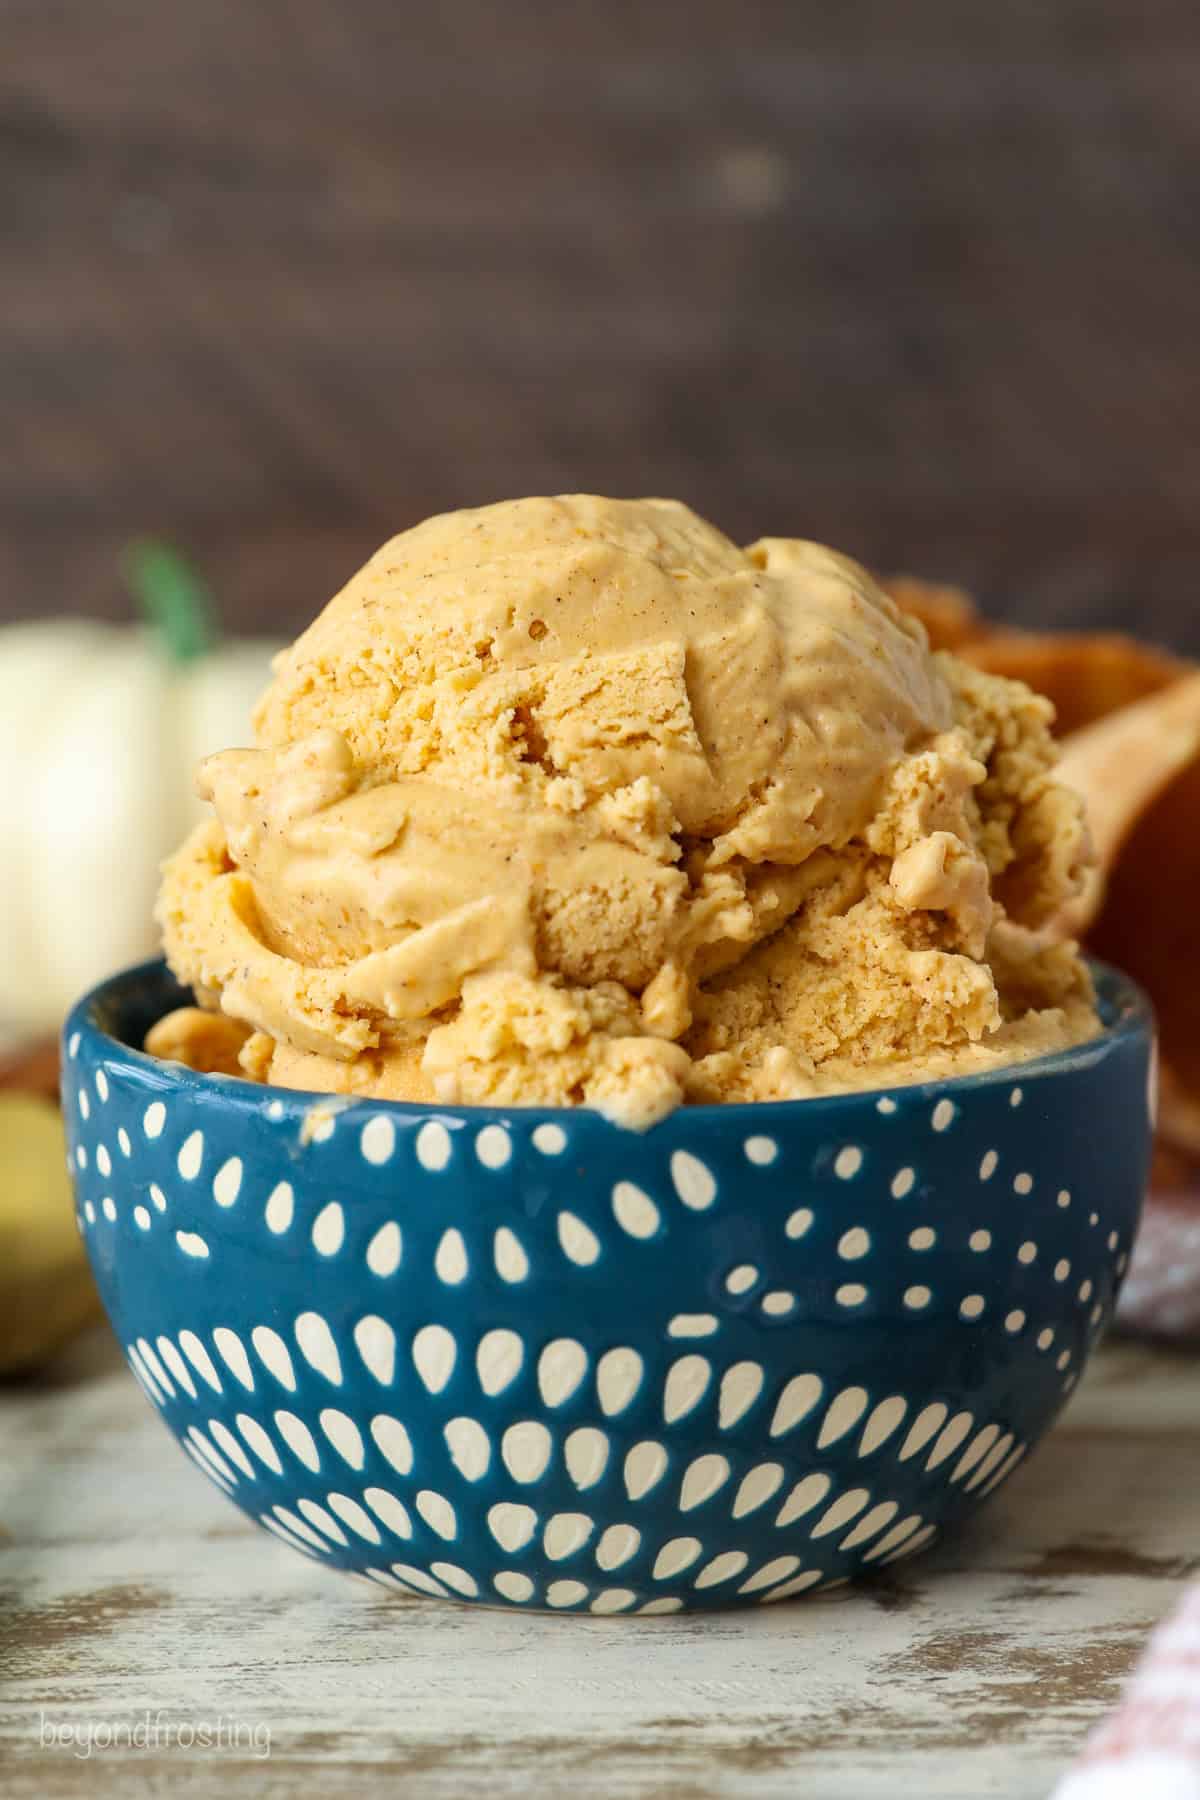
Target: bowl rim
1127,1008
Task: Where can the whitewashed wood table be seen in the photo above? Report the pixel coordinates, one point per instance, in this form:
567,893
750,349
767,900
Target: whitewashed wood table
135,1601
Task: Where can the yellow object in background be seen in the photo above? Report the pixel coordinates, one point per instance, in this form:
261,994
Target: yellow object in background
46,1290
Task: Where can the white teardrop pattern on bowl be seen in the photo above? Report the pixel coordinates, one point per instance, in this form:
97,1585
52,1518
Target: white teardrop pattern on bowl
503,1380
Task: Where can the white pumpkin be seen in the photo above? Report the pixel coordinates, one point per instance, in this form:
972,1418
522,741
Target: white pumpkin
101,729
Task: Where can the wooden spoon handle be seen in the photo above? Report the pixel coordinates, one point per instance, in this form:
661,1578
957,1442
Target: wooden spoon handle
1120,765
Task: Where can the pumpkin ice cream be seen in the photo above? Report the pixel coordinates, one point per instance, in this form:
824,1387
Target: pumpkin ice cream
573,801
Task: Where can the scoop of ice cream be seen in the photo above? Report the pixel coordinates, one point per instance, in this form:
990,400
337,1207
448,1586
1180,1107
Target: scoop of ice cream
533,787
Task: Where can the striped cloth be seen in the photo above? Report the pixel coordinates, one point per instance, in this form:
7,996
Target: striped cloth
1150,1748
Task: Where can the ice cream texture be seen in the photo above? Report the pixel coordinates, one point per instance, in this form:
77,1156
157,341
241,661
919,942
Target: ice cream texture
573,801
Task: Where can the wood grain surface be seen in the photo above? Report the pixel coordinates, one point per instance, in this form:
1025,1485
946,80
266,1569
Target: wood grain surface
127,1586
280,278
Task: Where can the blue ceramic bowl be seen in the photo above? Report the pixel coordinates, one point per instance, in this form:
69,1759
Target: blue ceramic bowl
528,1358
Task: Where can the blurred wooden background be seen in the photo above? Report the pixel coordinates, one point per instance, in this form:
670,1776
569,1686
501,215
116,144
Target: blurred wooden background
281,276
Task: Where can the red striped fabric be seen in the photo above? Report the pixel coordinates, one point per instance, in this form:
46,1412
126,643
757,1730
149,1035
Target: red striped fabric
1149,1749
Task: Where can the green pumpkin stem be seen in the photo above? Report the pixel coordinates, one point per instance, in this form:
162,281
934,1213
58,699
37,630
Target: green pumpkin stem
173,597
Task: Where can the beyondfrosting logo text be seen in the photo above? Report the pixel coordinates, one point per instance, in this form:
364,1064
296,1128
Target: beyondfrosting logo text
156,1731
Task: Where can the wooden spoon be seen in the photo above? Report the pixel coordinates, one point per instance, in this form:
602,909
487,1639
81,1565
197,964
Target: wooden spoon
1120,765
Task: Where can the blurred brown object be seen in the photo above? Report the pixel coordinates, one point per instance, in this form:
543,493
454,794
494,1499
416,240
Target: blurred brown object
948,614
1087,674
31,1070
1174,1171
1148,926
